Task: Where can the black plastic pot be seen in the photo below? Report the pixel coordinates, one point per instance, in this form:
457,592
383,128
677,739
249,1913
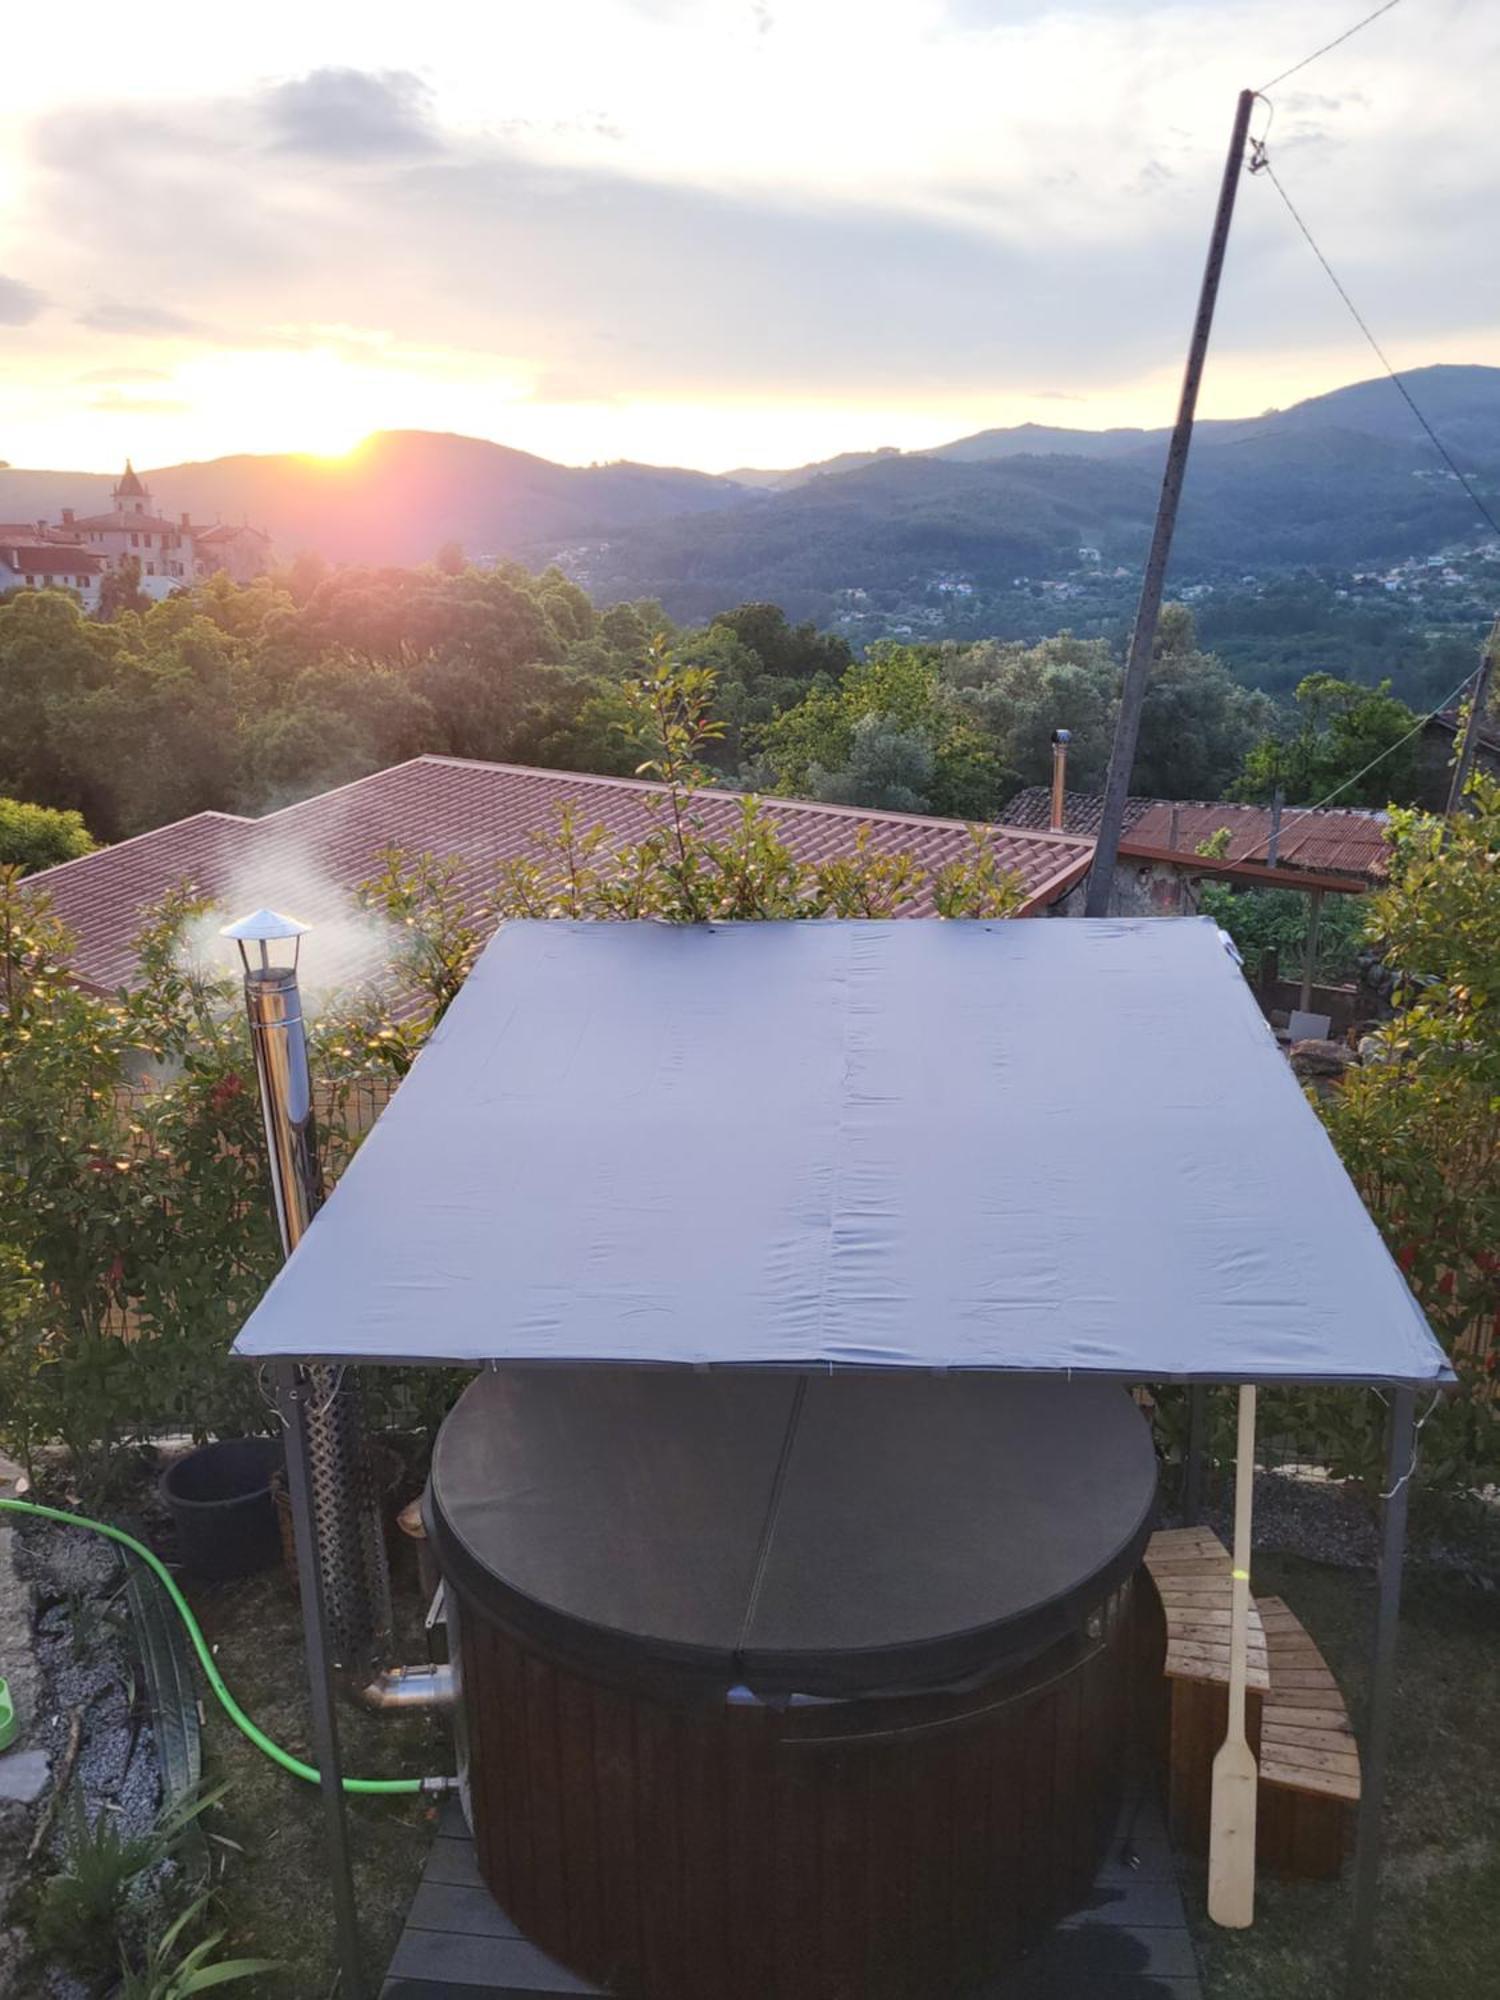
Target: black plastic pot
219,1498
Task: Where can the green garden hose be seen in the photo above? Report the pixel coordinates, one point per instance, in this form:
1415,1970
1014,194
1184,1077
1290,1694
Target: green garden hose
365,1787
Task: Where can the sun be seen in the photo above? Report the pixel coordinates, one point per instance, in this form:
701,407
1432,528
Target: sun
310,401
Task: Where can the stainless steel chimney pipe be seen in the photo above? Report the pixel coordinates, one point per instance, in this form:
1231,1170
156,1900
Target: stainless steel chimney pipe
356,1577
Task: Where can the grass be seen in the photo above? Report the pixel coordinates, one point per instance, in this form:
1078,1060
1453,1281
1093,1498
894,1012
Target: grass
1440,1920
273,1900
1439,1935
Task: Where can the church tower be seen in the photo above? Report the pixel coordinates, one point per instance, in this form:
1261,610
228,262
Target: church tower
131,496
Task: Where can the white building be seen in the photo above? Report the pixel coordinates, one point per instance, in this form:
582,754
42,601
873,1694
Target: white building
133,530
32,558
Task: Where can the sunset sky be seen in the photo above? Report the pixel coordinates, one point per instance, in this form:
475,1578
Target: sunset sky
714,232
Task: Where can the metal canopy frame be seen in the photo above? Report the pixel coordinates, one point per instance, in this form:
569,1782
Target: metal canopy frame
1401,1444
293,1371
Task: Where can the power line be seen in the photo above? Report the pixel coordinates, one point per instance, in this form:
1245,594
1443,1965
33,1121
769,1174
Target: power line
1348,32
1260,164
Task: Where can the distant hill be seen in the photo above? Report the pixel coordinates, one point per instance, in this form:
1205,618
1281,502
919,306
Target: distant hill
1342,479
784,482
397,498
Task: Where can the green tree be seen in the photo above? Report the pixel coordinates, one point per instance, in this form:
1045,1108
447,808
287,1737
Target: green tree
1419,1126
33,837
1196,726
120,590
891,727
1345,740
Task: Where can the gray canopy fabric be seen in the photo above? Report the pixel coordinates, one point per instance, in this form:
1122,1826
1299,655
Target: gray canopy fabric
1035,1146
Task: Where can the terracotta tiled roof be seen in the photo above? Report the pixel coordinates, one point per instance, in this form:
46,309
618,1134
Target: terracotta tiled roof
117,519
307,859
223,533
34,531
55,559
1082,811
1329,840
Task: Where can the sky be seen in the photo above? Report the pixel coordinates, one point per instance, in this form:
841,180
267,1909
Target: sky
715,232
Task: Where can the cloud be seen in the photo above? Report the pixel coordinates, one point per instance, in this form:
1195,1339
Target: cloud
19,304
109,377
111,403
350,114
113,316
1043,218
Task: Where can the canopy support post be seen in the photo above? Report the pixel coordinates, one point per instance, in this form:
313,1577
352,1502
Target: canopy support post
1400,1456
1197,1452
292,1389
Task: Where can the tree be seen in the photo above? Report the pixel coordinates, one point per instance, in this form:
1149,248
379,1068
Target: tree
1196,727
892,710
786,651
33,837
451,560
1198,723
1417,1127
1348,741
120,590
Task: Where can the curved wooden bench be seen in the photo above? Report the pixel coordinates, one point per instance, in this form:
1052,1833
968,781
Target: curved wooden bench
1191,1570
1309,1755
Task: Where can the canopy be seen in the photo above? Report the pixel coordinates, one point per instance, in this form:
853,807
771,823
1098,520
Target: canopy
1037,1146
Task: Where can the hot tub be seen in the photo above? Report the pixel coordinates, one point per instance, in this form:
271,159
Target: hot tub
789,1688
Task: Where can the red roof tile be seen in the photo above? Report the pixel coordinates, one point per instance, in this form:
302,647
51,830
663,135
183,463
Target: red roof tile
57,559
308,859
1329,840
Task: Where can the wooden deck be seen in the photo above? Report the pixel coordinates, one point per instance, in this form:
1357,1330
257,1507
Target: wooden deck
1131,1942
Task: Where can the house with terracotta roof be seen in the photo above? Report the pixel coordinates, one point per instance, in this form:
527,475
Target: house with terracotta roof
309,859
1337,848
33,561
1169,846
133,531
170,554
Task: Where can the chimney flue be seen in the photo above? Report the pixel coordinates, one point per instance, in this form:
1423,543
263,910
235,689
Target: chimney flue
67,517
356,1580
1061,738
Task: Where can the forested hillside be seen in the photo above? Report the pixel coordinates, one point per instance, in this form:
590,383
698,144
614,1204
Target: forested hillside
240,699
1342,479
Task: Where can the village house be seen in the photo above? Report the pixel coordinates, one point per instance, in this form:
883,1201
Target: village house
311,858
36,557
78,552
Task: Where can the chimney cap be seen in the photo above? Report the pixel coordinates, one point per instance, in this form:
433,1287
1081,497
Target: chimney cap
264,927
1062,736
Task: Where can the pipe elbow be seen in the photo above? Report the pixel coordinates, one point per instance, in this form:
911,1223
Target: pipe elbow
393,1688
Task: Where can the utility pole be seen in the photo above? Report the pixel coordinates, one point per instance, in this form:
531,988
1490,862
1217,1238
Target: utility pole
1470,740
1143,637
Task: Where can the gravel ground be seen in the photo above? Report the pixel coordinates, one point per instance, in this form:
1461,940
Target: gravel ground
1324,1520
88,1669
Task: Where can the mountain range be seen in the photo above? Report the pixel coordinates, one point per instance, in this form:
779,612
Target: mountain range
1344,478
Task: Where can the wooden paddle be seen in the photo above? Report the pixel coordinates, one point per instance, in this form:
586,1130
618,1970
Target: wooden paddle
1231,1834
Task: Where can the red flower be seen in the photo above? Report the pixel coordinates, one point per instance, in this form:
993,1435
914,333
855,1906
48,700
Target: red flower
226,1091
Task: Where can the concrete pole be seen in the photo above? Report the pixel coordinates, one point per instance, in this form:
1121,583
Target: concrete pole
1475,722
1143,637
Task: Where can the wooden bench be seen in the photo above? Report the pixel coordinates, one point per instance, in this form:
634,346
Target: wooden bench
1309,1756
1191,1570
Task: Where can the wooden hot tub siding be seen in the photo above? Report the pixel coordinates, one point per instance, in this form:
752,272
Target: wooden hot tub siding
898,1849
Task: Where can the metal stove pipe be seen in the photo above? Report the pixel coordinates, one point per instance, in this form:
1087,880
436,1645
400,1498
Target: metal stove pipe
356,1578
1061,738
